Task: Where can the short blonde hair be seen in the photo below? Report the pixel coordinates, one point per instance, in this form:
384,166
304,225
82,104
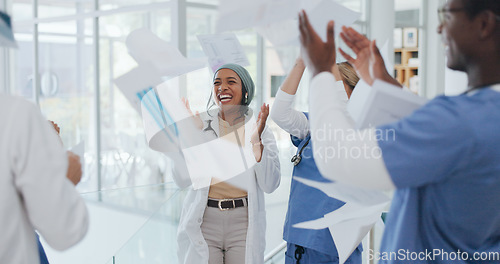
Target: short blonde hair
349,75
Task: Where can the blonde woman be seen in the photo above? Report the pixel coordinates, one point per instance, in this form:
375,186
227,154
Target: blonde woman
307,203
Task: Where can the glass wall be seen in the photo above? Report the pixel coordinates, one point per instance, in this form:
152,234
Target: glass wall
77,49
60,41
125,158
60,44
60,8
66,69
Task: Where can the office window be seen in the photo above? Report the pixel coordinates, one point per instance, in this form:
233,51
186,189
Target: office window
68,77
58,8
125,4
208,2
22,10
126,158
21,65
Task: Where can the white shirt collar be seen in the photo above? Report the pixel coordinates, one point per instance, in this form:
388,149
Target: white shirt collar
496,87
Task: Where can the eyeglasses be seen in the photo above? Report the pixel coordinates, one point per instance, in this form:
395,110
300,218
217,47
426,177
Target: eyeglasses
443,10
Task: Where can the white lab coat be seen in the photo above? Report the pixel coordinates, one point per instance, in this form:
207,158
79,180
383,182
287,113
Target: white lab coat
34,190
264,177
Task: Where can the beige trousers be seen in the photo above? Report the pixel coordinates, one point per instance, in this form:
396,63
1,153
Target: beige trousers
225,233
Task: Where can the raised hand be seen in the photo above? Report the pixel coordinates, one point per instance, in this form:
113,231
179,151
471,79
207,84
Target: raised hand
319,56
196,116
56,127
369,62
261,123
257,146
74,173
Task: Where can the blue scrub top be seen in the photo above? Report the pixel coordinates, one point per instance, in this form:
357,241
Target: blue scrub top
445,161
307,203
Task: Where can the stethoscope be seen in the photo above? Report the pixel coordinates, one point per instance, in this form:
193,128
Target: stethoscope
298,157
210,128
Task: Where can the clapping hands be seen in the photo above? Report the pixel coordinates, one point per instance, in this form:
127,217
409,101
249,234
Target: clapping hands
320,56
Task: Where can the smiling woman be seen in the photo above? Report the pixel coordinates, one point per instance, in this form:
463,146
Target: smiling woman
228,89
225,222
233,91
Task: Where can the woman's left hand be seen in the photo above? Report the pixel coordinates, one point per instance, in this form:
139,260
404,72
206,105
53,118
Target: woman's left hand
261,123
257,146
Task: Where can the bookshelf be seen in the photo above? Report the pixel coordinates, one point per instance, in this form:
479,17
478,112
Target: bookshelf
406,64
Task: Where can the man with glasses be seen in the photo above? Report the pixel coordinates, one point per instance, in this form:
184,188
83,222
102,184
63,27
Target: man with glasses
444,159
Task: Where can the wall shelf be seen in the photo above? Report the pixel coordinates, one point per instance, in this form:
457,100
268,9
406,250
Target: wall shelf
403,70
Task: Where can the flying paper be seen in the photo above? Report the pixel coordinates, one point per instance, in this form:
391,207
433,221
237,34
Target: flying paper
222,49
240,14
349,224
286,32
170,128
156,60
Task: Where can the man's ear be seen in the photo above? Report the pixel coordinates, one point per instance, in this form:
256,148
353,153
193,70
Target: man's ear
488,24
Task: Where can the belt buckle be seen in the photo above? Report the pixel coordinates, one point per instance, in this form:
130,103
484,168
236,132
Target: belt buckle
226,200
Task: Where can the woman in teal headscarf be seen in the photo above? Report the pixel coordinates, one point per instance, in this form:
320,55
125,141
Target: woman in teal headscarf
225,222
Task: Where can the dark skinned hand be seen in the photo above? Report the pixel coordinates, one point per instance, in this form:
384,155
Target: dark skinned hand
369,62
319,56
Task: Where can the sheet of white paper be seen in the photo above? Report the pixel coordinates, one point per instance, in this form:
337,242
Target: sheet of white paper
137,81
348,235
158,136
345,192
328,10
167,123
350,223
209,160
223,48
156,59
171,100
348,226
286,32
282,33
79,149
239,14
381,104
345,213
148,49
